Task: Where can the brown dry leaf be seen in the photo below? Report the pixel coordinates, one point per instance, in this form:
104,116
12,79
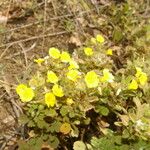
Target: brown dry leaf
46,146
75,40
124,119
104,130
104,124
82,21
31,133
3,19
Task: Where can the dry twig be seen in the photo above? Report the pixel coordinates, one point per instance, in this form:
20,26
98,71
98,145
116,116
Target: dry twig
34,37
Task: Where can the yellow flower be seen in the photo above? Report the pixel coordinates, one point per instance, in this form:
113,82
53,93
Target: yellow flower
54,53
20,88
73,65
26,94
65,57
143,78
100,38
69,101
138,72
57,90
109,52
50,99
107,76
88,51
39,61
91,79
93,40
73,75
52,77
133,85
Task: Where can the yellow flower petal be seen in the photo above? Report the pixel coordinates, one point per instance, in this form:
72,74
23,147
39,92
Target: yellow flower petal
109,52
73,65
26,94
65,57
69,101
107,76
73,75
54,53
91,79
133,85
39,61
138,72
20,88
88,51
57,90
52,77
143,78
100,38
50,99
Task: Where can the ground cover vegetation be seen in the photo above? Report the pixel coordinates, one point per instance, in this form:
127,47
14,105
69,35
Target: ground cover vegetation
94,93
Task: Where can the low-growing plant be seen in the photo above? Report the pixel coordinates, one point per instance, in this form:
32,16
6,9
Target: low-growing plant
116,142
71,97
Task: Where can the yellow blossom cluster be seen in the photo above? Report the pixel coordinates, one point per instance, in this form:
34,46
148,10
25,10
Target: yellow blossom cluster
91,79
98,39
50,98
26,93
140,79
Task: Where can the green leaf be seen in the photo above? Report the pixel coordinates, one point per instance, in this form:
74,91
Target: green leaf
35,143
31,124
87,121
141,145
79,145
72,114
103,143
42,124
64,110
118,140
74,131
50,113
106,91
41,107
23,119
125,134
22,145
55,126
117,35
147,114
102,110
53,141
